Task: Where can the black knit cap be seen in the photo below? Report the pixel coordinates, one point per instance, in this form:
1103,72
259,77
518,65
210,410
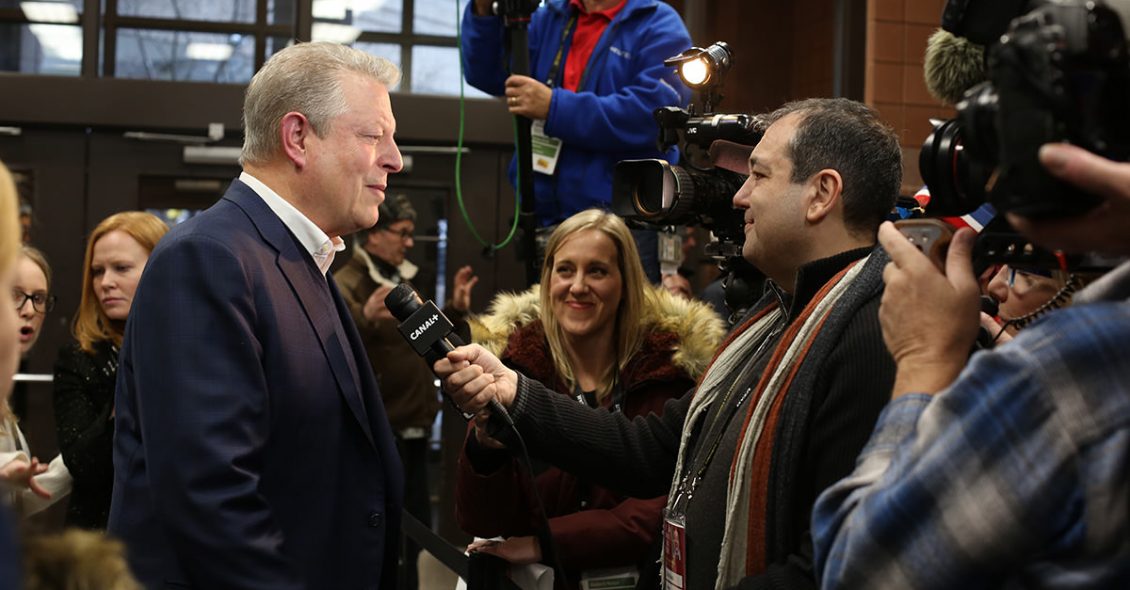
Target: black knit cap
397,208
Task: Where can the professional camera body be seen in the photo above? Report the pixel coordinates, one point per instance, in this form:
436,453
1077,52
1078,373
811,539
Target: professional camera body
1059,73
697,193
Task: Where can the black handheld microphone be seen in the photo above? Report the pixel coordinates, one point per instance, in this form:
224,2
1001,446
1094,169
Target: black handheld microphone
431,335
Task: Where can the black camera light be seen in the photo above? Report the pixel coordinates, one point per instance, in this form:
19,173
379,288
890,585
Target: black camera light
703,71
699,67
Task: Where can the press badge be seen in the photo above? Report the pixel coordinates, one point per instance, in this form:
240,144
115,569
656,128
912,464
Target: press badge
674,552
544,149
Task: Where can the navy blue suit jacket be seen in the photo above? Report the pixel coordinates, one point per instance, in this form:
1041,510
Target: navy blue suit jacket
251,447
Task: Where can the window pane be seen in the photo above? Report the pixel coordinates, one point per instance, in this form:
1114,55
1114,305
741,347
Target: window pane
435,70
41,49
280,12
277,44
47,11
389,51
436,17
237,11
183,55
380,16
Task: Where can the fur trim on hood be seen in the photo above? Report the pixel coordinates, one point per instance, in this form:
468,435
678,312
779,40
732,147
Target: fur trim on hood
697,329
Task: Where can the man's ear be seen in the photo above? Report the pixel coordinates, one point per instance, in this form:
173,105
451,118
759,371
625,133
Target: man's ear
295,132
825,192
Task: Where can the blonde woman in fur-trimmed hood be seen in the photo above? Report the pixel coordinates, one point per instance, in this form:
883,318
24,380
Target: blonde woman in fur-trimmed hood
594,329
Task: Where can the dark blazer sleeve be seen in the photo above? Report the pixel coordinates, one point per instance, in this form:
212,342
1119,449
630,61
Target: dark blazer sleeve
82,421
201,390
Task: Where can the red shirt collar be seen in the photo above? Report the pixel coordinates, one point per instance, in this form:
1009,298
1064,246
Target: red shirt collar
609,13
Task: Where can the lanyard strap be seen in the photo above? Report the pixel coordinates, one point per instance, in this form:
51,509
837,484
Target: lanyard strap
556,67
726,412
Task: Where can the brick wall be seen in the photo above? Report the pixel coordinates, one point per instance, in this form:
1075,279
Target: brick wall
896,44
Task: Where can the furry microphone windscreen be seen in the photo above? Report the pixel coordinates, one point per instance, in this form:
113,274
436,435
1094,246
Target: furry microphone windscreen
953,65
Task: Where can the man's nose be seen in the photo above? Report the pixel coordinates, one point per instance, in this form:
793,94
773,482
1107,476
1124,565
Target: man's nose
393,161
741,198
998,289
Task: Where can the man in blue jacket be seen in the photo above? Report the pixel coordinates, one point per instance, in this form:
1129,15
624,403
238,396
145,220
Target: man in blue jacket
252,450
597,75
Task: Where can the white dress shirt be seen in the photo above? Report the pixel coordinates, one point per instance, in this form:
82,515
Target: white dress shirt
320,246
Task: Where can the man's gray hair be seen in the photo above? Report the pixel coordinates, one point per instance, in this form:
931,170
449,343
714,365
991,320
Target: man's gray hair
304,78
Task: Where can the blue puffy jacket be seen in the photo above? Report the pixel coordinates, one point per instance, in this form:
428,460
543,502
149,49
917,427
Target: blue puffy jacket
610,117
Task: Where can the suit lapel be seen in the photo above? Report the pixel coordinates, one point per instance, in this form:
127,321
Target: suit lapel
313,295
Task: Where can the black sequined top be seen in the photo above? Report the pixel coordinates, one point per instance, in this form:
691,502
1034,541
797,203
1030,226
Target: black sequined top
84,404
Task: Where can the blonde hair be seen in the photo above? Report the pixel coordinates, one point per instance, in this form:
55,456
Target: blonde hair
91,322
39,259
304,78
628,333
10,233
76,560
10,230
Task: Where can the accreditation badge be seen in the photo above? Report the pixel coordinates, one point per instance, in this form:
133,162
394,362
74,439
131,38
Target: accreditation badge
674,552
544,149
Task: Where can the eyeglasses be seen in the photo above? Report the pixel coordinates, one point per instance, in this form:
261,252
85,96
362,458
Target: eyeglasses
1023,281
404,234
40,302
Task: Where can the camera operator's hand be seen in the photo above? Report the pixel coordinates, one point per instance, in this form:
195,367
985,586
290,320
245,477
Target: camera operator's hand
1104,228
929,319
472,376
528,97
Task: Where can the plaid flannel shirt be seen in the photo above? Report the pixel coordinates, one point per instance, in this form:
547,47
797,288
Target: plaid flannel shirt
1018,475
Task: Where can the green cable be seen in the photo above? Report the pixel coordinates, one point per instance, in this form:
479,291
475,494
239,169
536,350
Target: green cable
459,152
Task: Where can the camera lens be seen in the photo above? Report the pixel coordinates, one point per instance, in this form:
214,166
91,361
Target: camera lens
956,181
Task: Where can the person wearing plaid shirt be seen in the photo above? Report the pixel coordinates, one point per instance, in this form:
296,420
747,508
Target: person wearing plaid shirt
1013,471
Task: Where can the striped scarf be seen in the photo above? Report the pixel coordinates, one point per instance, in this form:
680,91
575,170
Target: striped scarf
743,551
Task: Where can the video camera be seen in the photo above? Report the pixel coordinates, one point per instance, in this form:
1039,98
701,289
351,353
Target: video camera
656,193
1057,72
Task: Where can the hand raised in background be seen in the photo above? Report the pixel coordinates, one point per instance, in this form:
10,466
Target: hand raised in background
375,309
462,284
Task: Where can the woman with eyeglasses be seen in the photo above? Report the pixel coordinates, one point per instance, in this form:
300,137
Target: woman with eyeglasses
86,370
33,486
31,295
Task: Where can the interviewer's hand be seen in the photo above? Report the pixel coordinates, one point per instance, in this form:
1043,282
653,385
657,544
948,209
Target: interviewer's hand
472,377
515,550
929,319
527,97
1103,229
